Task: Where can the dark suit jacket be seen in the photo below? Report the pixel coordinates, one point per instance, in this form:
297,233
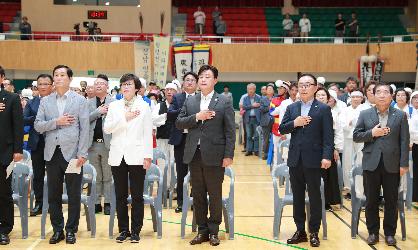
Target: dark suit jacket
29,115
246,104
217,136
265,118
11,131
313,142
394,146
172,113
343,97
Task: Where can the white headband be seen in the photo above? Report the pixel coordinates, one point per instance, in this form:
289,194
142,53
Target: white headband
356,93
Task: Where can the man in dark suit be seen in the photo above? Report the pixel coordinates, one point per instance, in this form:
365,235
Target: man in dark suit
36,141
11,149
210,144
311,148
350,86
385,133
178,137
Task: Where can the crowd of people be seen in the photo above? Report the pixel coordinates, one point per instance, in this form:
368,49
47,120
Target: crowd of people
68,124
218,23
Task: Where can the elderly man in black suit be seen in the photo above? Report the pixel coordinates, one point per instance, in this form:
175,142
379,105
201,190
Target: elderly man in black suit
384,131
11,149
209,118
311,148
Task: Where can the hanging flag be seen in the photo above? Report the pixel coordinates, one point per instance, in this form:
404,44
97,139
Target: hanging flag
161,53
142,53
366,66
201,56
183,59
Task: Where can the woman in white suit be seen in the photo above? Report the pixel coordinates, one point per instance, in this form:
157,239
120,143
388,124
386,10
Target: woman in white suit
129,121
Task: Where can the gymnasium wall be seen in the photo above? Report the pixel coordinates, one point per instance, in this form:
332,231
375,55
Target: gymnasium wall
45,16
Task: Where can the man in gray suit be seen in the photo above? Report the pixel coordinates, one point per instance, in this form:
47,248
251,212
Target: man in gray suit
209,118
99,143
63,119
385,133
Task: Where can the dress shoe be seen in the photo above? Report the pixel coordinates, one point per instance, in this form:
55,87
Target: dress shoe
36,210
314,240
98,208
256,153
373,239
106,209
264,157
390,240
178,209
199,239
70,238
243,151
214,240
135,238
4,239
57,237
298,237
248,153
122,236
347,196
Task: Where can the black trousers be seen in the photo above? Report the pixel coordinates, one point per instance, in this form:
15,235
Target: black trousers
55,169
181,169
38,165
206,180
266,136
123,176
372,181
331,187
6,202
300,178
415,172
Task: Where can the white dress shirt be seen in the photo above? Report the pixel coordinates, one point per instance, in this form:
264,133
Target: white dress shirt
61,102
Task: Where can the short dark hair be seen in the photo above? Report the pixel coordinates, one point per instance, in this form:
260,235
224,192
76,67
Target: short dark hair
370,83
226,86
2,73
130,76
382,84
293,85
326,91
408,95
69,71
103,76
309,75
190,73
208,67
44,76
10,80
351,79
152,83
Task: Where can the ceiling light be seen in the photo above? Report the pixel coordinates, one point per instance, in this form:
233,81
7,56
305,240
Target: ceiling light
107,3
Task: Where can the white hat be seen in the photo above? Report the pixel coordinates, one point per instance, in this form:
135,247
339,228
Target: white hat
356,93
320,80
280,83
75,84
34,84
413,94
333,94
143,82
408,90
393,86
27,93
171,85
177,82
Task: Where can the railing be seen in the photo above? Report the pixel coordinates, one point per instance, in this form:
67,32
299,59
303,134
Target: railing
212,39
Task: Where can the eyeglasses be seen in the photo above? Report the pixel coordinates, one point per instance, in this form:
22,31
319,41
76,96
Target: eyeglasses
305,86
127,84
383,92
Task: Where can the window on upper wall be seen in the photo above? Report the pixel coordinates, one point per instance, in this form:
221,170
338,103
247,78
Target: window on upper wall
98,2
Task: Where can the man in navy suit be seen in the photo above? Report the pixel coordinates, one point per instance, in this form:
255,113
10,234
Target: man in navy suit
311,148
178,137
36,141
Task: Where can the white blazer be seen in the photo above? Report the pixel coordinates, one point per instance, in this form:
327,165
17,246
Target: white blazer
130,140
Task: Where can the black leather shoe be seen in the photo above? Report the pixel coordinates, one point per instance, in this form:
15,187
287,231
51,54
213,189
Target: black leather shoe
390,240
36,210
298,237
4,239
135,238
106,209
178,209
122,236
57,237
256,153
373,239
70,238
314,240
214,240
199,239
248,153
98,208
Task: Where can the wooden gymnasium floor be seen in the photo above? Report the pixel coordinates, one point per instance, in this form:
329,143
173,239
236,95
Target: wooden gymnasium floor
253,223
